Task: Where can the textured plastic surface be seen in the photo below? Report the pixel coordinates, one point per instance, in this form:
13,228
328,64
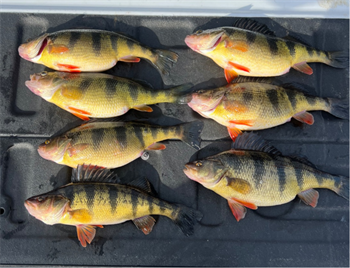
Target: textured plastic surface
288,235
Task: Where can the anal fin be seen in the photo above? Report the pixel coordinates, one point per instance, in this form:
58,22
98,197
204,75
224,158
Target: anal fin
303,67
237,209
309,197
156,146
129,59
304,117
145,224
143,108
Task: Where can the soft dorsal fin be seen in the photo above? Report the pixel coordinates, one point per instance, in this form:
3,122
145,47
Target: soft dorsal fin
251,79
299,87
141,183
296,40
88,173
253,25
302,159
253,142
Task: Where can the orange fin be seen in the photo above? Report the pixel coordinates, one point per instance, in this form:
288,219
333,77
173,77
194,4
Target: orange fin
86,233
156,146
78,110
143,108
239,45
83,117
238,67
77,148
145,224
80,215
237,209
130,59
68,68
230,75
246,204
248,123
309,197
304,117
73,93
303,67
238,185
99,226
57,49
234,132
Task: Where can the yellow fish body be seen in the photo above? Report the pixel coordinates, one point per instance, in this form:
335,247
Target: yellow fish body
93,199
97,95
251,49
91,51
246,105
254,174
114,144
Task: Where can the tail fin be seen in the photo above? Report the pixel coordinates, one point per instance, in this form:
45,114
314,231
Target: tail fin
165,60
182,93
187,218
342,187
339,108
191,133
338,59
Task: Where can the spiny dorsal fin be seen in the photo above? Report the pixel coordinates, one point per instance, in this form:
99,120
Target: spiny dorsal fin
141,183
253,142
302,159
88,173
253,25
250,79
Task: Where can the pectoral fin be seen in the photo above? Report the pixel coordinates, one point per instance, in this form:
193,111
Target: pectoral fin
309,197
80,215
145,224
304,117
234,106
57,49
237,66
303,67
71,93
143,108
77,148
156,146
129,59
239,45
86,233
238,185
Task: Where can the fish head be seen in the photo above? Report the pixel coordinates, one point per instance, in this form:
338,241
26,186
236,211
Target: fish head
206,100
48,208
53,149
32,49
204,41
207,172
45,84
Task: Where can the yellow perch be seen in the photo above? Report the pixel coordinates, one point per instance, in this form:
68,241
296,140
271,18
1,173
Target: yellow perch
114,144
97,95
254,173
91,51
93,199
251,49
248,104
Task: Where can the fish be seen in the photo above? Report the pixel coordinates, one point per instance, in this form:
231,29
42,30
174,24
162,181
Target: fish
98,95
249,48
94,199
114,144
85,50
255,174
253,104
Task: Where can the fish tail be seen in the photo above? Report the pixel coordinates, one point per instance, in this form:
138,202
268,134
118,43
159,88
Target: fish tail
191,133
164,60
338,59
341,186
186,218
338,107
181,94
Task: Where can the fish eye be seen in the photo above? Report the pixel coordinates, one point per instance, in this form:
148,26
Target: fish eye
28,40
198,164
47,142
40,198
43,73
199,31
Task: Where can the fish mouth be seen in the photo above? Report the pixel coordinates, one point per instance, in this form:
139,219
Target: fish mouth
189,170
32,51
33,86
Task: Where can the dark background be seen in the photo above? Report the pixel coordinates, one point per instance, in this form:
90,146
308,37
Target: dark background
288,235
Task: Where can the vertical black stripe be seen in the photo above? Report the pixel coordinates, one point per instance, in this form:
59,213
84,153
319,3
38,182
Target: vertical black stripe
96,43
318,52
91,193
292,97
73,39
134,201
110,87
291,48
154,132
272,94
130,44
150,204
97,136
250,37
259,170
85,84
133,91
247,97
120,134
319,178
299,175
113,198
272,45
162,206
138,130
310,51
311,100
114,41
282,180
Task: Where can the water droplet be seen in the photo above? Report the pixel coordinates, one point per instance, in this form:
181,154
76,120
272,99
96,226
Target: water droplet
145,156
